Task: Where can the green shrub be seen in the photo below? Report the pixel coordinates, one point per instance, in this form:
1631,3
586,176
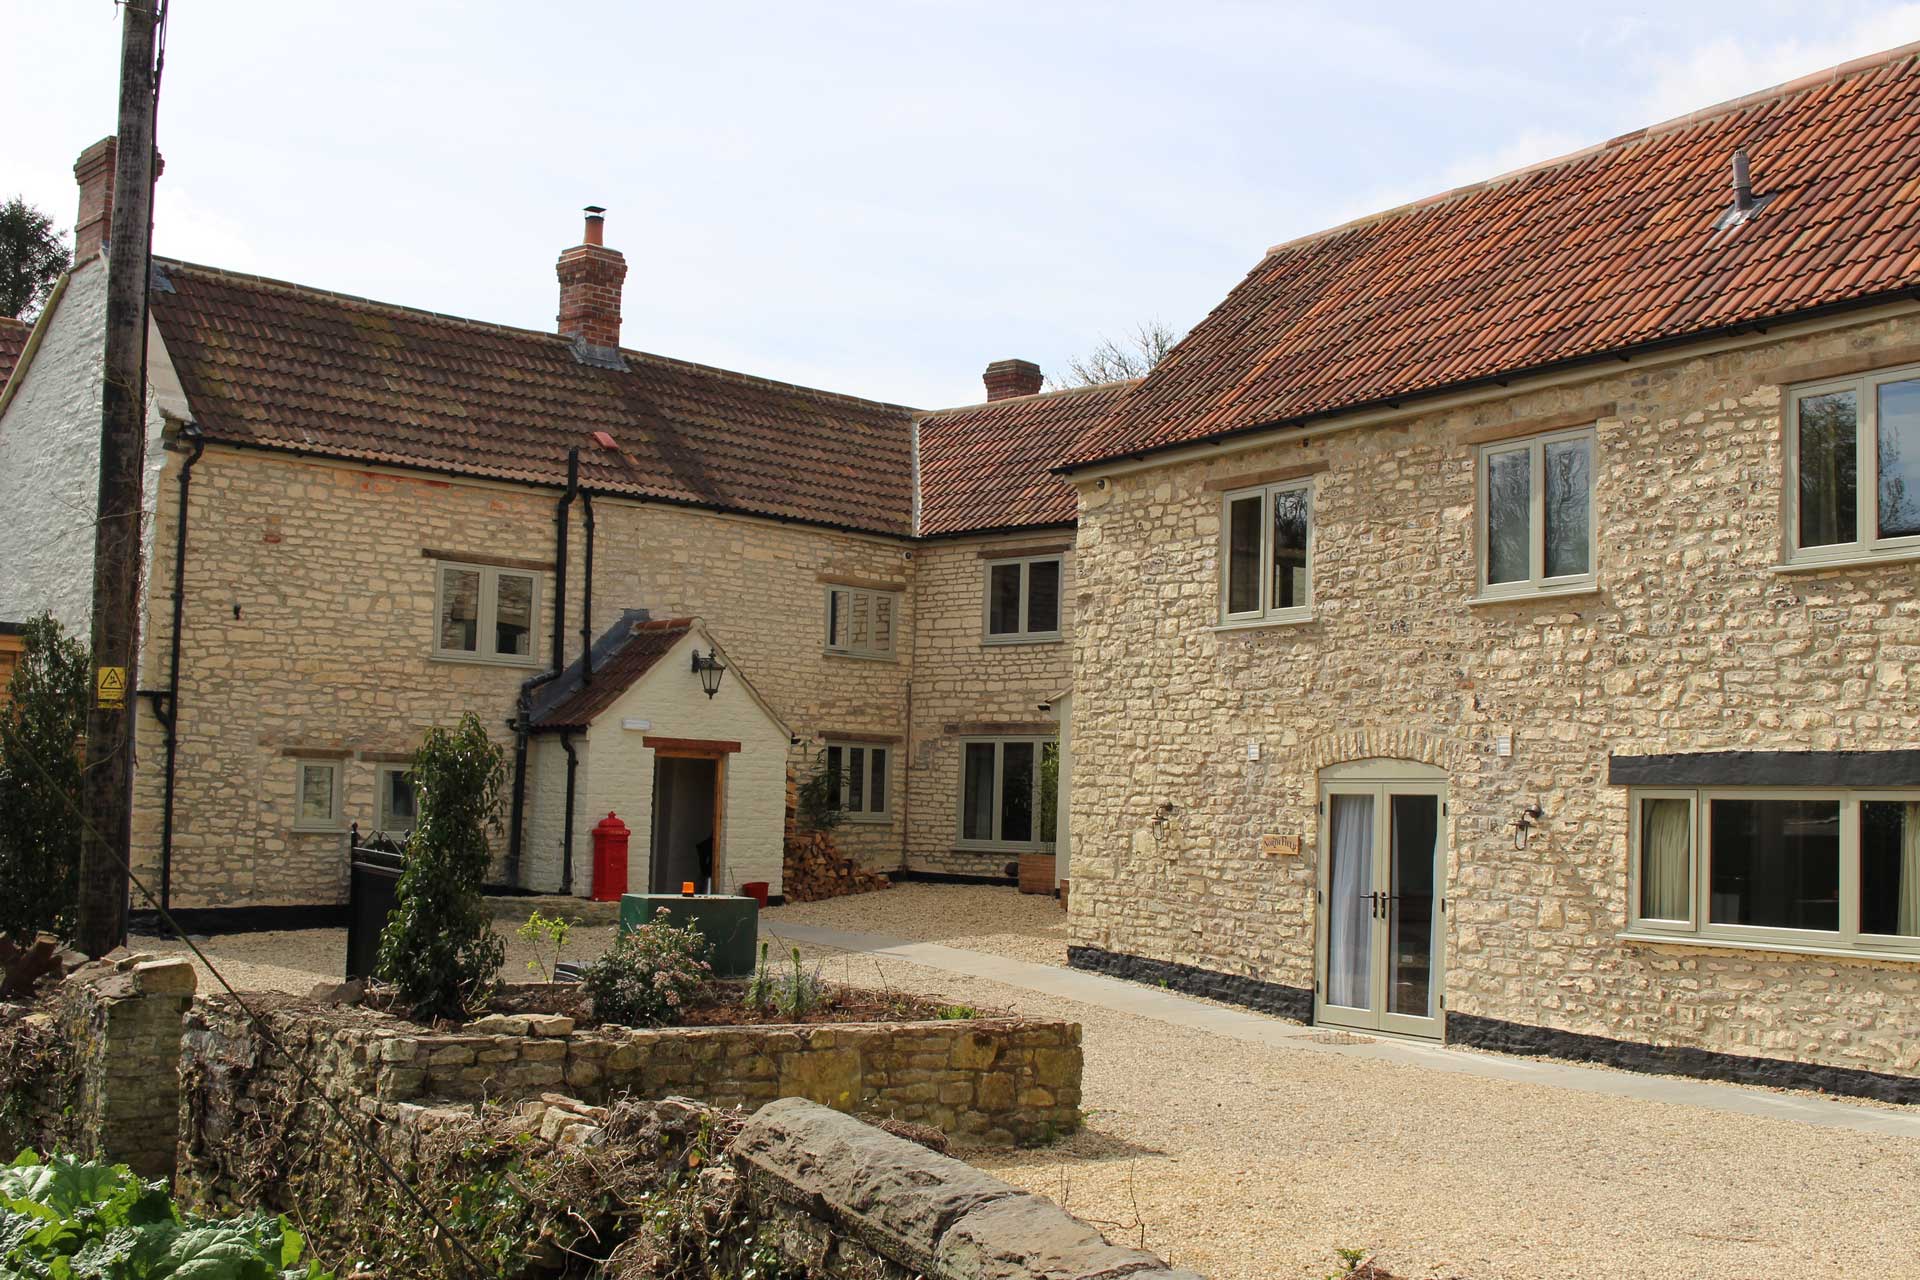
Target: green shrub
61,1218
817,799
41,732
548,936
439,947
649,974
791,993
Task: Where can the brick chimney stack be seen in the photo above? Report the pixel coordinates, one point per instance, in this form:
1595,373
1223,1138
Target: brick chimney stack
1006,379
94,172
590,278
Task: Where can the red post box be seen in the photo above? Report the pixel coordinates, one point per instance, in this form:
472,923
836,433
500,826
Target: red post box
610,836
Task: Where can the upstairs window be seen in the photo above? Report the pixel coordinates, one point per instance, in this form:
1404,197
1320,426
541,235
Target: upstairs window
1830,869
1266,554
860,622
1023,599
862,773
1534,522
486,614
1853,458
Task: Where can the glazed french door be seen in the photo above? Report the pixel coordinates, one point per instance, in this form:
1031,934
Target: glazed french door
1382,916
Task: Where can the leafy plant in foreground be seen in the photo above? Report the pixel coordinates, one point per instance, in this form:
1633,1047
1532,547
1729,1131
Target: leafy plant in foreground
548,936
792,993
40,731
649,974
439,947
62,1219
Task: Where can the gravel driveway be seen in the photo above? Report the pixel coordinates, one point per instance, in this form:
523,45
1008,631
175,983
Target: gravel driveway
1247,1161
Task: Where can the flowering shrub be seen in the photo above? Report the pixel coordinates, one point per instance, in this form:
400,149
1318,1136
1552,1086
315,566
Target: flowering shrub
649,974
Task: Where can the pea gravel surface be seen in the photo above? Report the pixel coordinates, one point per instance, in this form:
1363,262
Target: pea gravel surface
1245,1161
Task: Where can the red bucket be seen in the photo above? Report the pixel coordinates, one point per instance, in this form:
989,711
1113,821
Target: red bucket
755,889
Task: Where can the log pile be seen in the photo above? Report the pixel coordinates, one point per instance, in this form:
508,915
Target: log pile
815,869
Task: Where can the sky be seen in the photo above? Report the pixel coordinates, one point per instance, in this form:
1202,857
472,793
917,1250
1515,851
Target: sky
866,197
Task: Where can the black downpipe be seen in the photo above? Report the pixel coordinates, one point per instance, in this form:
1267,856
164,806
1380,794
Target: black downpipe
586,598
521,722
566,838
192,434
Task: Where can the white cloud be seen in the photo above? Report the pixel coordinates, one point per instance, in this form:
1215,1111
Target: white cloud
1728,67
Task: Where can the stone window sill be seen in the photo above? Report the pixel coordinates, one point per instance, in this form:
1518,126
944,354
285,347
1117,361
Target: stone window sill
1045,637
1262,624
1858,560
859,657
1698,943
1568,592
483,660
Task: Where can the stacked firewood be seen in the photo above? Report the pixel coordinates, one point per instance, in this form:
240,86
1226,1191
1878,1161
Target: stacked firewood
815,869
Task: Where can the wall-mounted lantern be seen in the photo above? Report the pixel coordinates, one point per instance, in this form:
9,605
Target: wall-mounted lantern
1529,816
709,668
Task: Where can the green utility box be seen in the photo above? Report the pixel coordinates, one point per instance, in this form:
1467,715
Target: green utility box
731,925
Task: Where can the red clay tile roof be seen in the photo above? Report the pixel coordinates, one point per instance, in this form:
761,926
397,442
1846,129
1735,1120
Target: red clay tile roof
1593,254
282,366
629,651
13,340
988,466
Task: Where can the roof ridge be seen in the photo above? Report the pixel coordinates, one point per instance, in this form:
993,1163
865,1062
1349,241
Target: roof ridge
1785,89
292,286
15,321
1037,395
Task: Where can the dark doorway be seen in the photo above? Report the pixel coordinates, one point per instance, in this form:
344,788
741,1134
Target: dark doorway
686,810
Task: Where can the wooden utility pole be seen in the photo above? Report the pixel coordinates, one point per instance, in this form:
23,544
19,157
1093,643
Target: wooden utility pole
107,787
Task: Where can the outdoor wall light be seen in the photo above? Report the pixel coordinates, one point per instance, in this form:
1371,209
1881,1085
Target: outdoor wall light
1162,819
1525,823
709,669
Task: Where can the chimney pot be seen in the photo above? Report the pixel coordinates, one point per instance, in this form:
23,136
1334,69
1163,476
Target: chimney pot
1006,379
591,276
1742,182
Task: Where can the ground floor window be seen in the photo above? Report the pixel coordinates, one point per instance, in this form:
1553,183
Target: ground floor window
861,772
399,801
1835,868
1007,792
316,795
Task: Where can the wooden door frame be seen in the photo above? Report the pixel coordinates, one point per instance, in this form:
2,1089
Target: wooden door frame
693,749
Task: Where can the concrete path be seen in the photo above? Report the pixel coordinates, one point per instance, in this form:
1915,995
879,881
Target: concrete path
1178,1010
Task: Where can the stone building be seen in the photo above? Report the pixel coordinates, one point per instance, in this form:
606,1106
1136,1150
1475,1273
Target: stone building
1492,623
394,517
1506,612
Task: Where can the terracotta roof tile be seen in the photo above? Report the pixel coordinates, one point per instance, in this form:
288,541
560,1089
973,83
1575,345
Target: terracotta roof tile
1604,250
283,366
988,466
629,649
13,340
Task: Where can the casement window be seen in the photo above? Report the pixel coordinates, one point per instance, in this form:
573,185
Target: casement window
316,795
862,770
399,800
1827,869
1853,468
860,622
1023,600
1533,521
486,614
1006,792
1266,553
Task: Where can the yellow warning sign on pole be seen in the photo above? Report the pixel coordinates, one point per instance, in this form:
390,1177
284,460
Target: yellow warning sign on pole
110,688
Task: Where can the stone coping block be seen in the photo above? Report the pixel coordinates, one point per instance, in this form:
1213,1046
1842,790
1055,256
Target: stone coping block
929,1213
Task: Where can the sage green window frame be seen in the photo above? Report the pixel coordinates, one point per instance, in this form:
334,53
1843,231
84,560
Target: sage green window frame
874,800
487,622
1867,545
333,822
1265,612
384,819
1041,840
1636,860
1022,636
1848,939
867,602
1536,582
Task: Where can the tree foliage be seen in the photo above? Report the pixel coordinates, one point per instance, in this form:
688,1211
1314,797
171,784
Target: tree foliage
439,947
32,257
1133,356
41,731
817,797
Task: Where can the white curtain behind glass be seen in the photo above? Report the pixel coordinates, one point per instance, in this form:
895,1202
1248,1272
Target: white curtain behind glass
1349,933
1666,829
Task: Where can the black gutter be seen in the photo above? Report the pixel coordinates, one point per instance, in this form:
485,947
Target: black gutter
566,837
170,718
1502,379
520,724
586,598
